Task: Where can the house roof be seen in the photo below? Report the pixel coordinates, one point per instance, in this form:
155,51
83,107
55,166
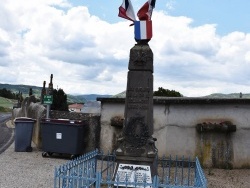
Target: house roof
76,106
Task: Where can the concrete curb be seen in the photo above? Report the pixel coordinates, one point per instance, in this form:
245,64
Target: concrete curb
10,125
11,139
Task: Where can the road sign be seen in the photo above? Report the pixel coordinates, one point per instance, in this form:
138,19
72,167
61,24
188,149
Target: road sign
47,99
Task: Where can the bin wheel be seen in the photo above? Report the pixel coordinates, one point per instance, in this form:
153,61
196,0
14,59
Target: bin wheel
50,153
74,156
44,154
29,149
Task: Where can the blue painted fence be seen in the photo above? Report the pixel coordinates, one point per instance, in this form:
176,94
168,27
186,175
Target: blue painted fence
95,169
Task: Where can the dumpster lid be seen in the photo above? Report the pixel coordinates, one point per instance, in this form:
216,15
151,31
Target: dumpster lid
63,121
24,119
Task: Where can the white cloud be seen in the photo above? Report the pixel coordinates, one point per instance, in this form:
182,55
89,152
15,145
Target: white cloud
89,55
197,58
247,57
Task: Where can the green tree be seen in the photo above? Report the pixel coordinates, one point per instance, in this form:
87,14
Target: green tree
167,93
59,100
8,94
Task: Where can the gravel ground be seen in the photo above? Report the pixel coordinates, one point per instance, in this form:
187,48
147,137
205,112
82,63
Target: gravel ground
219,178
27,169
31,170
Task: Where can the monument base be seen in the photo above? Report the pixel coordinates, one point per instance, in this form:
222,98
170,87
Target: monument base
137,151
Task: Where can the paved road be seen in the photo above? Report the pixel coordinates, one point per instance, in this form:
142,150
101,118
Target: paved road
6,134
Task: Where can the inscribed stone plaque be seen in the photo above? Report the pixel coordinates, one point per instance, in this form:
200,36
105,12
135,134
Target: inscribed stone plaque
131,173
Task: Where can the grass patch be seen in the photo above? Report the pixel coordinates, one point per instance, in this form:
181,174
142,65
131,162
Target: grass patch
6,105
2,109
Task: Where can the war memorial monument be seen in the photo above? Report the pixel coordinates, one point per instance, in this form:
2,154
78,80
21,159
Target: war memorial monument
136,146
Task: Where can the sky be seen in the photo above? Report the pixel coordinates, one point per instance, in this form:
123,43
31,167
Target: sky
200,46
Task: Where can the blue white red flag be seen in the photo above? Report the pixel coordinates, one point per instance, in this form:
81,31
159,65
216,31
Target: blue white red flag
143,30
126,10
146,10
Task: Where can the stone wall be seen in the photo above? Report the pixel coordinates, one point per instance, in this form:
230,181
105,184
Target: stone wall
175,127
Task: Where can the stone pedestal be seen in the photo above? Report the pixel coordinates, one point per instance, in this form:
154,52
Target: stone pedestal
136,145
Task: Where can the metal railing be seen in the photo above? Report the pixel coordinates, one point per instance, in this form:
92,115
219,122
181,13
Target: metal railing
95,169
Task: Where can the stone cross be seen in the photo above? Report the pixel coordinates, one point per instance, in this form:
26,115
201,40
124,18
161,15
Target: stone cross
50,90
43,92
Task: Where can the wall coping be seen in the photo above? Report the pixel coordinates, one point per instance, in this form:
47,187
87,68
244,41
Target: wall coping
184,100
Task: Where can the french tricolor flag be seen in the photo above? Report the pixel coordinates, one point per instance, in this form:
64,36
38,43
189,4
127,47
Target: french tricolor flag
126,10
143,30
146,10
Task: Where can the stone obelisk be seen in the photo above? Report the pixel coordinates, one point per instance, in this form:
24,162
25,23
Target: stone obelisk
136,145
138,124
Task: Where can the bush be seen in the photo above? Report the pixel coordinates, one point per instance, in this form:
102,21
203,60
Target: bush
59,100
167,93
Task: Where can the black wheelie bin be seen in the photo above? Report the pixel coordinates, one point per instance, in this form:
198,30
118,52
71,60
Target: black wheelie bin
63,136
23,134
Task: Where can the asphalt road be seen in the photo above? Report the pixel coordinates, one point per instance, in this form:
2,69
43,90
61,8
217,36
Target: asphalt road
6,134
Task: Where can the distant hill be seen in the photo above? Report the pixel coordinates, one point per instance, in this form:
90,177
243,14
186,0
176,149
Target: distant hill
24,89
231,95
84,98
120,95
214,95
74,99
37,92
92,97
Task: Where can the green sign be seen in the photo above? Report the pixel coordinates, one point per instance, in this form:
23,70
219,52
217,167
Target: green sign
47,99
